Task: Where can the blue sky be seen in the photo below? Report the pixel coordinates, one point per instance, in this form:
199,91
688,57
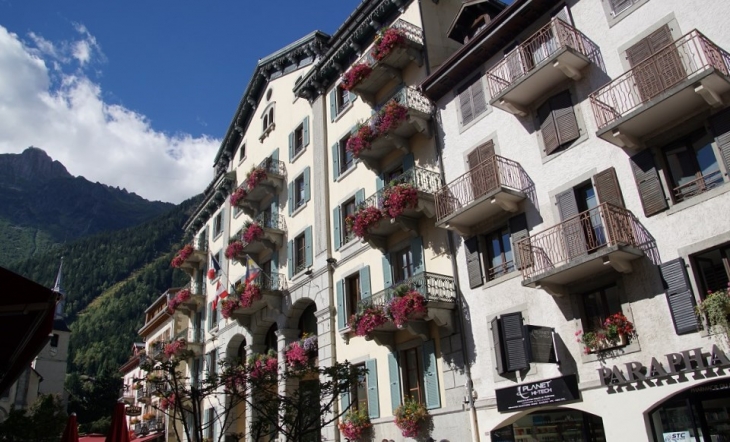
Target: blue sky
138,82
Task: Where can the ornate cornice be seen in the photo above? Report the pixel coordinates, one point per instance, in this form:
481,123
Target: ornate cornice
213,198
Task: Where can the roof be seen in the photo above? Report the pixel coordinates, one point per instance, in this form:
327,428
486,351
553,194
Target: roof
501,31
27,320
464,18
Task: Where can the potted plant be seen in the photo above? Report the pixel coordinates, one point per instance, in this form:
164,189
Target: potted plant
391,116
410,417
361,140
234,249
149,416
256,175
398,198
177,300
251,293
406,305
252,231
370,318
362,220
354,75
238,195
387,40
616,331
716,308
181,256
302,352
228,306
353,424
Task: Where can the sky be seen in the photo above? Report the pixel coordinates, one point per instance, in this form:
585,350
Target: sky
137,94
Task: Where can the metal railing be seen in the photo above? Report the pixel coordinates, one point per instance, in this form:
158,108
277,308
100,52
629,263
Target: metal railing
421,179
271,282
580,235
491,174
500,270
271,221
191,335
412,32
676,62
272,166
200,244
411,98
553,37
433,287
699,185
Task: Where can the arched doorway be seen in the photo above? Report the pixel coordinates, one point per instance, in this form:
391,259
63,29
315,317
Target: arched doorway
308,321
700,413
558,425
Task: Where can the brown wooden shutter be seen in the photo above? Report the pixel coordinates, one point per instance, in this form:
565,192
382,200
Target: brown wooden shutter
679,296
473,159
648,184
668,63
547,128
479,99
467,113
564,115
721,128
619,5
497,341
575,241
646,76
486,150
662,71
514,342
607,187
518,231
473,262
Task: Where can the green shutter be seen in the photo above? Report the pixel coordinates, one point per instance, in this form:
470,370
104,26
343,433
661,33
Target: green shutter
209,315
336,161
333,104
431,376
387,271
365,291
275,262
372,386
341,311
291,146
394,377
290,258
408,162
308,246
307,184
417,254
306,132
290,196
337,221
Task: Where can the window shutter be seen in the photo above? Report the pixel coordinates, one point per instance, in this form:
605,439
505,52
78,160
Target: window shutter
305,134
638,52
341,310
275,154
408,162
575,241
478,97
497,341
290,258
430,376
336,160
564,115
345,401
394,375
365,291
307,184
563,14
547,128
721,127
291,146
337,221
648,184
467,114
473,262
333,104
379,182
567,204
486,150
514,342
679,296
660,39
372,384
210,315
308,246
417,254
359,197
518,231
617,6
290,196
353,97
607,187
387,271
275,261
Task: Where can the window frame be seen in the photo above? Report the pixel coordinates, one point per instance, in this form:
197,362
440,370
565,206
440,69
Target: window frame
358,403
344,154
403,367
242,153
218,225
299,192
349,203
340,103
352,300
614,17
299,139
399,270
603,306
508,266
300,253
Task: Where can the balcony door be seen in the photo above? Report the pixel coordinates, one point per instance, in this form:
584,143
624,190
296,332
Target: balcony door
656,63
483,174
583,229
402,265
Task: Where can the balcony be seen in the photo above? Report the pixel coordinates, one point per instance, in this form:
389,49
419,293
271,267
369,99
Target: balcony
156,349
194,302
383,139
553,54
195,260
272,237
272,285
494,187
390,66
685,77
602,239
419,205
142,395
440,294
260,194
193,338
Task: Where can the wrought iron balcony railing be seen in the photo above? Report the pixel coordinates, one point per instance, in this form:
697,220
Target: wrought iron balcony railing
423,180
271,221
411,98
271,282
675,63
697,186
191,335
519,62
412,32
433,287
494,173
272,166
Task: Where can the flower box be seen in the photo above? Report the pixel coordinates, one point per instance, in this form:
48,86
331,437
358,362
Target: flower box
238,196
363,323
228,306
387,40
407,305
617,331
354,75
410,418
354,424
362,220
391,116
252,232
255,176
361,140
398,198
182,256
179,298
263,365
302,353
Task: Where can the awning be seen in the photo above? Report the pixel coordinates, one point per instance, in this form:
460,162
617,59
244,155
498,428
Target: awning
92,438
26,322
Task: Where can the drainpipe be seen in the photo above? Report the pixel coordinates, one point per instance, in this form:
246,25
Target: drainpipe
473,423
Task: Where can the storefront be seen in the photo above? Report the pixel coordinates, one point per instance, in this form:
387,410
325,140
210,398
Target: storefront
563,425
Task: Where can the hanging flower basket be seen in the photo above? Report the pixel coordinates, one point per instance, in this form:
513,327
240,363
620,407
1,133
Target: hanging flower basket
368,320
408,306
253,232
410,417
251,293
181,256
353,424
228,306
255,176
386,41
362,220
361,140
263,365
398,198
354,75
391,116
234,249
238,195
617,331
301,353
179,298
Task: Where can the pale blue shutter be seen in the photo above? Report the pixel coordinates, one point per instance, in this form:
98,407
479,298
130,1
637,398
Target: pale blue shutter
372,386
408,162
359,197
341,310
387,271
333,104
275,154
306,132
290,201
345,401
417,254
209,315
336,160
431,376
394,375
337,221
307,184
290,258
365,292
353,97
379,182
308,246
275,261
291,146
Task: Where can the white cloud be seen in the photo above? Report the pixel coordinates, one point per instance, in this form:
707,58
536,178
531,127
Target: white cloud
62,112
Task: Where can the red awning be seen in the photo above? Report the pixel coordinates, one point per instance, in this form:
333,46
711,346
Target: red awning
92,438
26,309
148,438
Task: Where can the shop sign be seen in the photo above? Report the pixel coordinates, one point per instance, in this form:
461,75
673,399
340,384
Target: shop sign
133,411
678,436
686,361
533,394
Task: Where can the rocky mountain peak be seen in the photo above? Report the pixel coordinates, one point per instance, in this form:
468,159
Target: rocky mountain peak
33,164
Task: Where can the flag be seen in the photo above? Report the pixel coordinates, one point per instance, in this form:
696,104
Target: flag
252,270
214,264
220,293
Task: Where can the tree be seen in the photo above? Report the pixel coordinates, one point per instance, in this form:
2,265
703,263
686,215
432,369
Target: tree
44,422
93,399
294,400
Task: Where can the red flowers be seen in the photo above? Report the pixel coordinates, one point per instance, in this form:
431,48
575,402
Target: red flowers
251,293
386,41
234,250
255,176
238,195
361,140
252,233
181,256
301,353
410,306
354,75
363,219
410,416
175,348
398,198
390,117
228,306
365,322
353,424
181,296
263,365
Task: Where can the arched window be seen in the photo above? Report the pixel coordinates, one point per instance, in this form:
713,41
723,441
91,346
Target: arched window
271,116
241,354
266,122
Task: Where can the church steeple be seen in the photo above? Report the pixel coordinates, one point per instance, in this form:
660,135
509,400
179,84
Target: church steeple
57,287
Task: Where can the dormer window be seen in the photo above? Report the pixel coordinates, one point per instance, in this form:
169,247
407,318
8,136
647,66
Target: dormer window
267,120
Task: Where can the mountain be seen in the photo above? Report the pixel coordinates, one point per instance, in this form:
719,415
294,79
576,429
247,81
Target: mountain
42,204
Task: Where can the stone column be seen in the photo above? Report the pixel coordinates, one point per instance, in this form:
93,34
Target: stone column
250,349
327,357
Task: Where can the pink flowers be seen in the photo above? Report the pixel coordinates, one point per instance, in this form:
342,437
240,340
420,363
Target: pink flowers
234,249
181,297
408,307
398,198
252,233
251,294
391,116
386,41
302,352
361,140
261,366
175,348
354,75
168,402
365,322
255,176
410,416
228,306
363,219
353,424
181,256
238,196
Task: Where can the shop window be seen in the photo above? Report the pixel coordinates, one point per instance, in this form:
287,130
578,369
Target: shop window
495,251
558,123
562,425
472,100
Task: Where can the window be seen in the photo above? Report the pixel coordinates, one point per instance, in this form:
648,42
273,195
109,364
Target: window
267,121
54,340
299,139
472,100
599,305
713,269
242,152
359,392
212,362
619,6
340,100
499,254
692,165
210,418
271,116
495,251
299,191
402,261
342,159
218,225
352,289
348,208
212,316
412,374
216,260
299,252
510,343
557,121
